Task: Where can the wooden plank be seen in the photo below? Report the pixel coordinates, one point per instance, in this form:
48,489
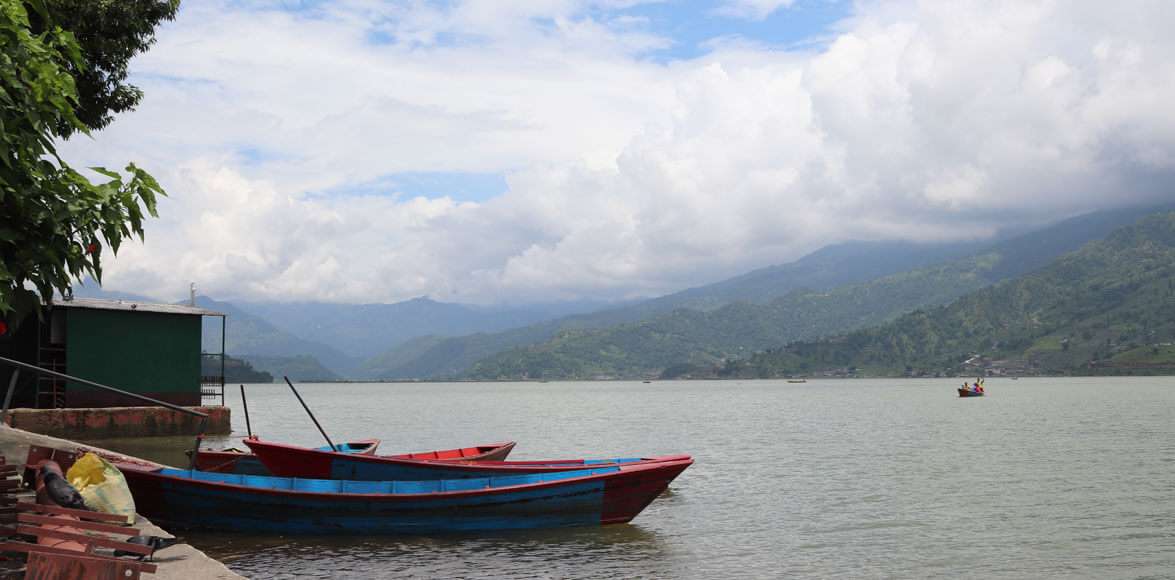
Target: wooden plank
38,520
43,566
83,514
26,548
84,539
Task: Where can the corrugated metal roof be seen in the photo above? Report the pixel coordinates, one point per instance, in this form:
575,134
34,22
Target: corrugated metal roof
131,305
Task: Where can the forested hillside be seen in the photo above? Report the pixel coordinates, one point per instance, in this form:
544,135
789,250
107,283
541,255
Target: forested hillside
1108,308
687,342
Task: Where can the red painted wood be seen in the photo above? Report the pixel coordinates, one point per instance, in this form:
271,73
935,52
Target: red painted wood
43,566
24,548
84,539
225,461
79,524
491,452
294,461
80,514
637,486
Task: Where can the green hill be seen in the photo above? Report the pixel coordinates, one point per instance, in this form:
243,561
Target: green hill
235,370
684,341
298,368
1107,308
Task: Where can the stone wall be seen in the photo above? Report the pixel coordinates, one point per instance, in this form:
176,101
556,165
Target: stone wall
112,422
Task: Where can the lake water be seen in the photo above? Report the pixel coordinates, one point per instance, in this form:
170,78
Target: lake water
1058,478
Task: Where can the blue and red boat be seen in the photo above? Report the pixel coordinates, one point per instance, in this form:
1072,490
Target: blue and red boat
284,460
609,494
236,461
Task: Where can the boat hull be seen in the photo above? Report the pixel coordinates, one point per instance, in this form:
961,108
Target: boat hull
968,393
602,496
294,461
248,463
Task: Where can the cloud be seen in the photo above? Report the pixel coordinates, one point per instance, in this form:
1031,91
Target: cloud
625,176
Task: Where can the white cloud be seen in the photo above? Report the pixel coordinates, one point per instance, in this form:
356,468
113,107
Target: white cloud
920,120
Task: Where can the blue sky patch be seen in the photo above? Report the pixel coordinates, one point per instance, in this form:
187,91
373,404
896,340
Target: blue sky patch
458,185
694,24
691,25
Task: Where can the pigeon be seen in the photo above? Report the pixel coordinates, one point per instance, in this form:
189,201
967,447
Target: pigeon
60,491
156,543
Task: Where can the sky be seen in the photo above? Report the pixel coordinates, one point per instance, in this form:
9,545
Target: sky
510,152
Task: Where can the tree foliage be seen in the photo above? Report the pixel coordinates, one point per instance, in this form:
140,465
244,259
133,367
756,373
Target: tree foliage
109,33
55,223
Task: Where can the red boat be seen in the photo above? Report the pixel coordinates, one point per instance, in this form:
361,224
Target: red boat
969,393
293,461
235,461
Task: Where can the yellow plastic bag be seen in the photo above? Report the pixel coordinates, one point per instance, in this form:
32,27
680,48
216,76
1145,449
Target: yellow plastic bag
102,486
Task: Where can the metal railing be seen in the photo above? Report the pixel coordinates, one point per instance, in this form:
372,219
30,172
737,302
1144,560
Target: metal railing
23,365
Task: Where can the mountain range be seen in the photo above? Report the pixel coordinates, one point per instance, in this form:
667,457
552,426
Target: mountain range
682,341
836,289
433,357
1107,308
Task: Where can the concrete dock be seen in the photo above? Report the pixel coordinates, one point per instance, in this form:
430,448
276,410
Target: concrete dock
181,562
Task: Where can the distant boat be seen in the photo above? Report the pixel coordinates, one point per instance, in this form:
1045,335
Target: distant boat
646,382
969,393
797,380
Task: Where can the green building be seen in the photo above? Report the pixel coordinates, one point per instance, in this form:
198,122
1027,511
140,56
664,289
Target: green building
149,349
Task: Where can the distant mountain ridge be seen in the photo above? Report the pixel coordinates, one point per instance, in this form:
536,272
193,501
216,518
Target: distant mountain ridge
684,340
1107,308
365,330
250,337
303,368
829,267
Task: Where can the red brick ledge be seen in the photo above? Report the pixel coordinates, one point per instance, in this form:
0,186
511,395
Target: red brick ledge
111,422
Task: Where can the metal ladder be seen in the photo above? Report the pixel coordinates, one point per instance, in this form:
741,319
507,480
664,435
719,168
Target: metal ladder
50,389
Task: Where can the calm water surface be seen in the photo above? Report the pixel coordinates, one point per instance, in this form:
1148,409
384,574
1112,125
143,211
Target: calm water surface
1060,478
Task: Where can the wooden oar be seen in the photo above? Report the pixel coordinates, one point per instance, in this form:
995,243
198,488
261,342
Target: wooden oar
245,404
320,430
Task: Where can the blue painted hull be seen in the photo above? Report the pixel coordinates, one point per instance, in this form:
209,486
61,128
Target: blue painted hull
183,506
273,505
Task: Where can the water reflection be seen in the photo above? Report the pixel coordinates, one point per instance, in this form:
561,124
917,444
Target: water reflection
607,551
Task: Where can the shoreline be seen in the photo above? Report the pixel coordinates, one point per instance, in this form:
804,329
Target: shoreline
180,562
